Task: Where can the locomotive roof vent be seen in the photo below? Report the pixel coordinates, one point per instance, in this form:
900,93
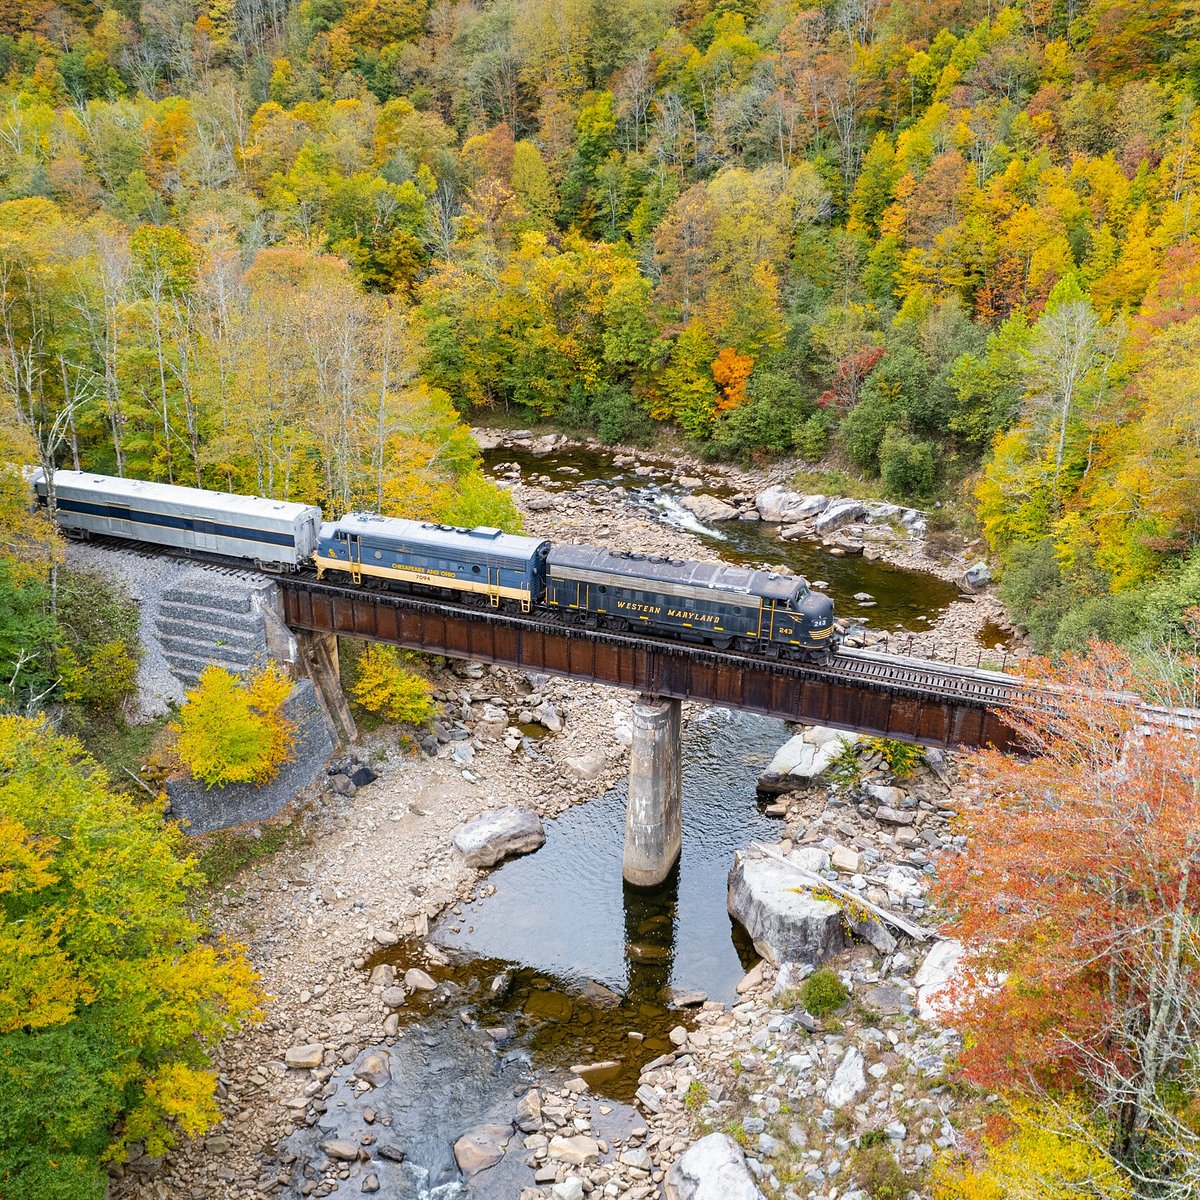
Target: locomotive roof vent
484,531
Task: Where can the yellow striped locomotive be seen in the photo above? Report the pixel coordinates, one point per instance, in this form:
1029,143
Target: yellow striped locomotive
707,603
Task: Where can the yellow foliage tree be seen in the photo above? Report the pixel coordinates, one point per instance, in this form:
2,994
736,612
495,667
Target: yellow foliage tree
234,732
383,686
1052,1154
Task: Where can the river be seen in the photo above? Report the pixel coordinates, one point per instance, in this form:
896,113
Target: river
563,965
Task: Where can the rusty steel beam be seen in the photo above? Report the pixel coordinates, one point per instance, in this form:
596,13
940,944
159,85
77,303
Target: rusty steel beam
912,711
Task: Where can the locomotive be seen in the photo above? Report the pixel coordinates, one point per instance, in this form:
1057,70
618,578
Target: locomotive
702,602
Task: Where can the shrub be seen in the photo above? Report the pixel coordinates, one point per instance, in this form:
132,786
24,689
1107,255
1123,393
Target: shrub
877,1172
110,1001
906,464
823,992
234,732
99,646
811,438
383,686
1043,1156
902,758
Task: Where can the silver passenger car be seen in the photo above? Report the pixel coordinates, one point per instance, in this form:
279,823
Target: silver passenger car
276,534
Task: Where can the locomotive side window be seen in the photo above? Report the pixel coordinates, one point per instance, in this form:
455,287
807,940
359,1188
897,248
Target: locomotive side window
602,590
475,569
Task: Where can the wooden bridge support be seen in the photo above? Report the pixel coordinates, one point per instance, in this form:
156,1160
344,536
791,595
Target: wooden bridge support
317,658
653,813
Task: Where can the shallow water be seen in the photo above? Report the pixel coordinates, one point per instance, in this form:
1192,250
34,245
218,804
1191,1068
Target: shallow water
563,963
566,911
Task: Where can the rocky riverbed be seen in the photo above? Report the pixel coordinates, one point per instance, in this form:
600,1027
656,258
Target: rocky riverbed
316,1096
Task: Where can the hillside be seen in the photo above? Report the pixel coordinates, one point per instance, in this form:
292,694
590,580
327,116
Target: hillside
950,245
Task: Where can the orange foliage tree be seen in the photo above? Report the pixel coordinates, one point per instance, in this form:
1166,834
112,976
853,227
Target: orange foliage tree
1078,898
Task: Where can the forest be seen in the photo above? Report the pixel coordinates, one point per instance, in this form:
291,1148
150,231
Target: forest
943,250
948,246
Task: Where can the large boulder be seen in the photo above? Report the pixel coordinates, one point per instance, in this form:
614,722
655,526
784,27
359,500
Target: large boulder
935,975
714,1168
804,757
839,513
785,922
771,503
708,508
497,835
782,507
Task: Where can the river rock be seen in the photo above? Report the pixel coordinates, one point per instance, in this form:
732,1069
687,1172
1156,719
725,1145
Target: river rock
547,716
839,513
708,508
302,1057
849,1080
934,976
848,861
487,439
419,981
586,767
481,1148
976,576
393,997
529,1111
497,835
342,1149
714,1168
574,1150
374,1068
785,924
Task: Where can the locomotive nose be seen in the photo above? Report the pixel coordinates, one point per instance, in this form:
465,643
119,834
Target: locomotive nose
817,613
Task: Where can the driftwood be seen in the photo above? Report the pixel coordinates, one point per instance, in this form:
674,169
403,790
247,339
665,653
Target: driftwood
141,783
817,882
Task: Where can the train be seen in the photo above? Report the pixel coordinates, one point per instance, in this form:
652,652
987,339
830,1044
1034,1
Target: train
599,588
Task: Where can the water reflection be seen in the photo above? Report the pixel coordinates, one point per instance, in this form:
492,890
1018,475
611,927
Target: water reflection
567,911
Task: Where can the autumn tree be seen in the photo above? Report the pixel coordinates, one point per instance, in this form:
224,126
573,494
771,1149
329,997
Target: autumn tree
111,999
231,731
1076,898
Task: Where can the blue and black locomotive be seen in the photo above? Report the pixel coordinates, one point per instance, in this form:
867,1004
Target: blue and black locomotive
702,602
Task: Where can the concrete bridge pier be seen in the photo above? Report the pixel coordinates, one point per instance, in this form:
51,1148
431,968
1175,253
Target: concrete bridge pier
653,814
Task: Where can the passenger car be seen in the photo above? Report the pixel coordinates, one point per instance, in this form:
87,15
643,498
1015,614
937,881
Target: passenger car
274,534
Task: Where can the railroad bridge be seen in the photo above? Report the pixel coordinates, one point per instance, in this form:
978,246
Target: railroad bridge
224,613
935,704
